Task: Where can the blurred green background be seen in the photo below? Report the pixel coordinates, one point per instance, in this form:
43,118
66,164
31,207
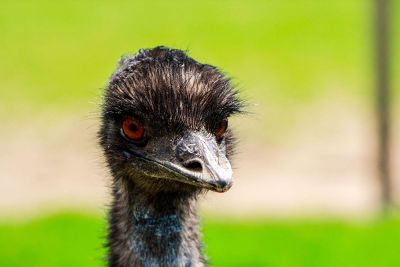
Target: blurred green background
306,70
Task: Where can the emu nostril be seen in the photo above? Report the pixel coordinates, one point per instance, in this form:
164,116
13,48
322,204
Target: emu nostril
193,165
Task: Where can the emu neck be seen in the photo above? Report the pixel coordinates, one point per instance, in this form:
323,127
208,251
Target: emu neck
153,229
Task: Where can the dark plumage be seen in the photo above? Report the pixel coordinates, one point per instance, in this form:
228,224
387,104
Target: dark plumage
163,134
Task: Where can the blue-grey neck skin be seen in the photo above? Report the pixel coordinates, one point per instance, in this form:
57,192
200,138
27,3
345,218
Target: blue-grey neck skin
153,230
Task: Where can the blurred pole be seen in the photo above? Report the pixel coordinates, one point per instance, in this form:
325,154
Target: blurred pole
382,64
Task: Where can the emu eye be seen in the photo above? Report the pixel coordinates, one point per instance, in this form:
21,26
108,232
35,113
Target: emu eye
132,129
221,129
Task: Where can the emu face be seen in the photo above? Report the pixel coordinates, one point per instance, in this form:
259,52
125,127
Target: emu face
165,122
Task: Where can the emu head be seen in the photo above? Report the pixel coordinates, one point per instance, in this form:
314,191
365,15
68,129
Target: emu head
165,122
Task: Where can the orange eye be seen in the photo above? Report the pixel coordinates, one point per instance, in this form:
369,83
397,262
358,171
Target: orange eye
133,129
222,126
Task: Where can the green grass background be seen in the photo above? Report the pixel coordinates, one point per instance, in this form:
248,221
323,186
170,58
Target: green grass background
55,56
71,239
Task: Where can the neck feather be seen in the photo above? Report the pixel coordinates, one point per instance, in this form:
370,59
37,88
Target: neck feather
153,229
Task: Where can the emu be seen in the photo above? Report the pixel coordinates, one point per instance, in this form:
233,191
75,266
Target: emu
164,133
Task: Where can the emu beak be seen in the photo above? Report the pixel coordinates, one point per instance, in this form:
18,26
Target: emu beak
202,162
